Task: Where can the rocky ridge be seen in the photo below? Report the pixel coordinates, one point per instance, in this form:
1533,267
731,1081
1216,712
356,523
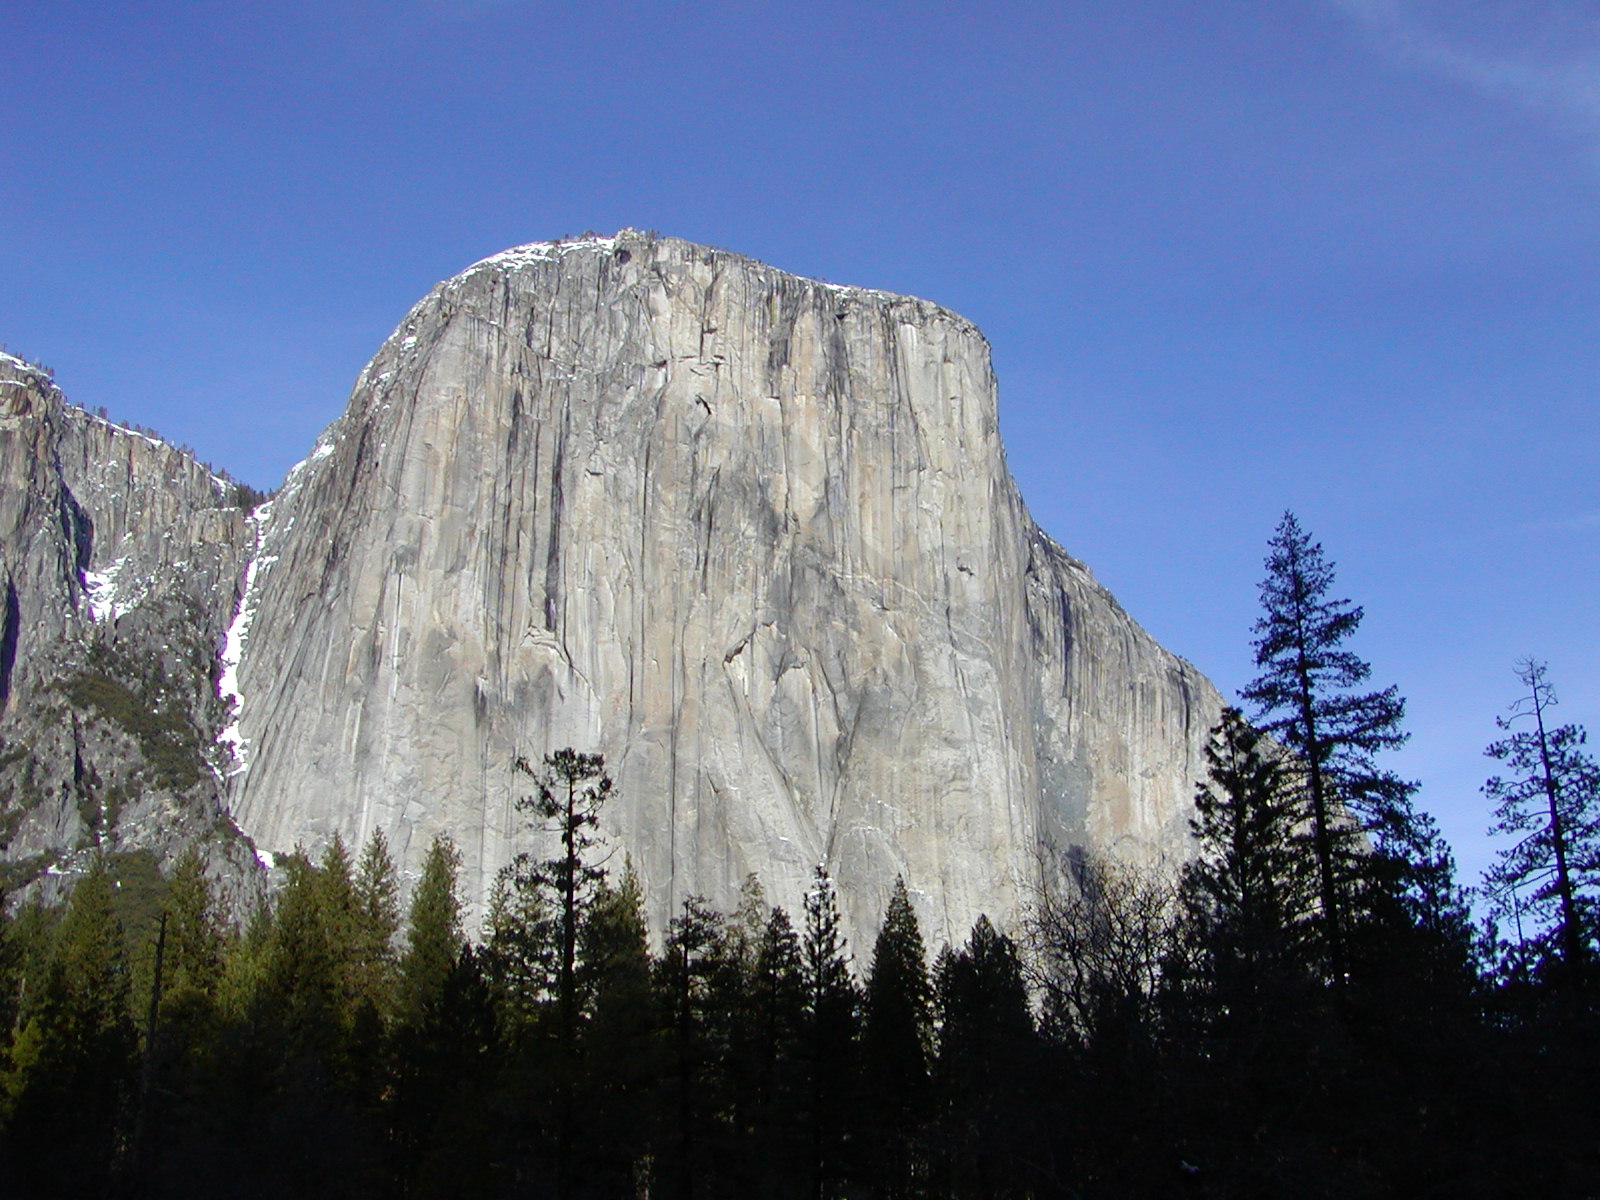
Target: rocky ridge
751,536
119,556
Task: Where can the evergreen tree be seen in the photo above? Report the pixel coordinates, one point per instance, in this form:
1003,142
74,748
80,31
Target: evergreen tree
896,1033
571,788
779,1065
196,937
831,1002
72,1061
1252,888
620,1038
692,962
1307,697
433,931
1550,801
518,949
335,906
302,982
986,1038
376,905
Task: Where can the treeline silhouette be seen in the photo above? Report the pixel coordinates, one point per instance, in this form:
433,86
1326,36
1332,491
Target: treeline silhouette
1306,1009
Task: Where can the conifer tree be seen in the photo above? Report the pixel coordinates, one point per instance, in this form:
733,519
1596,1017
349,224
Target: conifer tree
620,1038
299,983
896,1032
1252,888
985,1041
517,958
433,931
196,941
831,1002
692,960
376,907
571,788
334,903
72,1063
776,1007
1550,801
1307,697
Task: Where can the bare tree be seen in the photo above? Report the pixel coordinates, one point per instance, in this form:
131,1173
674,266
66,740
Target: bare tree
1101,933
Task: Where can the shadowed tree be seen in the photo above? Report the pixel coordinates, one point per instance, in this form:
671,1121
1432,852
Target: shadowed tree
1100,933
831,1003
775,1019
433,931
72,1060
1308,697
1251,891
536,918
896,1036
621,1046
986,1040
1550,801
692,962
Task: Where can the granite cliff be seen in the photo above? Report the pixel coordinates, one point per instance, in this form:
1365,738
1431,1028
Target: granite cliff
751,536
119,556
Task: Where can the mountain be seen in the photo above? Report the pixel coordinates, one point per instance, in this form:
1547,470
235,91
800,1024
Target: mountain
119,556
750,536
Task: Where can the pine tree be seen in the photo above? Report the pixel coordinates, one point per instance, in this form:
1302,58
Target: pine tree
1252,888
777,1024
333,896
692,961
196,939
1551,802
896,1033
72,1068
300,984
518,956
376,905
831,1003
433,931
1306,697
986,1039
571,789
621,1043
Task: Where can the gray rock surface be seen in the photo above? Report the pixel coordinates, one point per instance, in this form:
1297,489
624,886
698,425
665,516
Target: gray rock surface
753,538
120,559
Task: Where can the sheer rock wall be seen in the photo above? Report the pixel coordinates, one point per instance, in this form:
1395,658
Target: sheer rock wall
753,538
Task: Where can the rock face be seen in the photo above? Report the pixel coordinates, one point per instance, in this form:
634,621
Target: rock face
119,562
750,536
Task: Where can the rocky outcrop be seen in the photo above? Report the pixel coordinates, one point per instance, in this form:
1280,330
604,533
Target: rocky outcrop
750,536
119,563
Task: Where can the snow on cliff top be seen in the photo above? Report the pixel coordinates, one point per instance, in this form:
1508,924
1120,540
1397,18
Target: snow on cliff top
544,252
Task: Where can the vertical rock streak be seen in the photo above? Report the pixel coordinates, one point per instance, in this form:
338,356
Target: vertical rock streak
750,536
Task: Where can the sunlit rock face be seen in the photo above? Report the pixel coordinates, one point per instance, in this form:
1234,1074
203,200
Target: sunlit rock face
750,536
120,558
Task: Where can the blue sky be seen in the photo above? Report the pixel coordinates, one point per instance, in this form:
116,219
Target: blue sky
1339,256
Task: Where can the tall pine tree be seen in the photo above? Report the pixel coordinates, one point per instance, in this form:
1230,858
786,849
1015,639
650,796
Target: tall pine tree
896,1036
830,1029
1309,697
1550,801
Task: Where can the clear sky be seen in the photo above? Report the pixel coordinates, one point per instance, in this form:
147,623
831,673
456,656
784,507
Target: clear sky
1339,256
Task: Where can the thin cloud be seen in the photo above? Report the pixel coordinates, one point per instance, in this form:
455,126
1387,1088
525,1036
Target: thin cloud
1547,57
1570,523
